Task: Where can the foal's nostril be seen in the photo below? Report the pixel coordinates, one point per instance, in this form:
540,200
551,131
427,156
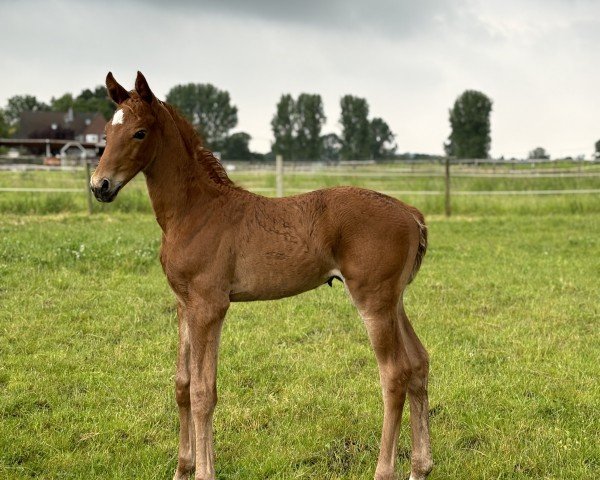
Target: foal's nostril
104,190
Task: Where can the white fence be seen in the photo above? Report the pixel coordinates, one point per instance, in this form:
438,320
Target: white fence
406,169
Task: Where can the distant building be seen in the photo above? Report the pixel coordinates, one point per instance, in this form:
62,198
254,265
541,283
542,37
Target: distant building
79,126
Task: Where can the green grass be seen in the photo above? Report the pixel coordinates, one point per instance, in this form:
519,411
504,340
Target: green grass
506,305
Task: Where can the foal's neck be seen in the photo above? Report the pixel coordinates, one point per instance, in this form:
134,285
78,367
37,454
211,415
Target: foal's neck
177,183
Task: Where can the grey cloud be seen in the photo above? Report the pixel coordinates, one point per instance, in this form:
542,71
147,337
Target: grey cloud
390,18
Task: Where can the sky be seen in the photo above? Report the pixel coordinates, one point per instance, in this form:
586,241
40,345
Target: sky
538,60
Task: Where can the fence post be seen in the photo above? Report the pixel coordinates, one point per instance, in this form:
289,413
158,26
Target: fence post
88,177
279,175
447,181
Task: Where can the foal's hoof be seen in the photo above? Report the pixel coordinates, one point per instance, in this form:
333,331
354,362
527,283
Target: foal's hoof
414,476
421,469
386,476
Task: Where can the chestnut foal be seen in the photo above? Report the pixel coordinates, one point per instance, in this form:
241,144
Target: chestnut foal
222,244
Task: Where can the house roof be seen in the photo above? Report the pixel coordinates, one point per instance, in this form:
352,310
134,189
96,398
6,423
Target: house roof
95,126
32,124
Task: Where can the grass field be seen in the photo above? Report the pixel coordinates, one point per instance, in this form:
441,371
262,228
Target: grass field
506,304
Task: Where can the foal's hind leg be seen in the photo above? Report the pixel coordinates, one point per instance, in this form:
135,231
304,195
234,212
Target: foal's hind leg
378,309
186,458
421,461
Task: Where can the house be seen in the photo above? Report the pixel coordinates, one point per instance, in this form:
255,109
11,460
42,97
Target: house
84,127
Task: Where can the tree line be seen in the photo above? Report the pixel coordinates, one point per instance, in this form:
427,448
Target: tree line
296,124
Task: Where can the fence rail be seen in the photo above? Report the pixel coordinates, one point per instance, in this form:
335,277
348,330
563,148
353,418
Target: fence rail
586,191
42,190
447,170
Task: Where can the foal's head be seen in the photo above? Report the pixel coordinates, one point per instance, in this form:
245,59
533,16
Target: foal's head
131,138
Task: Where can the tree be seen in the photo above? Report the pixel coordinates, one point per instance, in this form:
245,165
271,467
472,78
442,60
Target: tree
4,126
61,104
309,121
297,130
356,132
297,127
330,147
470,124
597,150
237,147
283,125
21,103
95,101
87,101
382,139
208,109
539,153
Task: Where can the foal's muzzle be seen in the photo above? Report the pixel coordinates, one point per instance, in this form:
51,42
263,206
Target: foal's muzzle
105,190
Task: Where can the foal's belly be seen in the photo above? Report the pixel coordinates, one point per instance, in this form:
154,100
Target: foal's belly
273,280
252,295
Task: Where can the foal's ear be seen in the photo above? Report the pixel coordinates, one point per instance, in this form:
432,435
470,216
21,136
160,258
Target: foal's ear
141,86
115,91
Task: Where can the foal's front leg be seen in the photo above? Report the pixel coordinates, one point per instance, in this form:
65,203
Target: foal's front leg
204,319
186,458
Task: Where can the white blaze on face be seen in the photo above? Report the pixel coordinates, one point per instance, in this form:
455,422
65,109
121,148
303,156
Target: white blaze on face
118,117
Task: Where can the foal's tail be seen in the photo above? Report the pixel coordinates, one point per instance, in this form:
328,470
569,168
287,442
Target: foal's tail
422,248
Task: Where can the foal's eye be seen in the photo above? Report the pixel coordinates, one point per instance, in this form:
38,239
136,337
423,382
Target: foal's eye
140,134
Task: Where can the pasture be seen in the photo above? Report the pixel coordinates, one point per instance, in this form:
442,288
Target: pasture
506,303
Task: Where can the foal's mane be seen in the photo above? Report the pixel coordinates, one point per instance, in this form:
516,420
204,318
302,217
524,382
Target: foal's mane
194,146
